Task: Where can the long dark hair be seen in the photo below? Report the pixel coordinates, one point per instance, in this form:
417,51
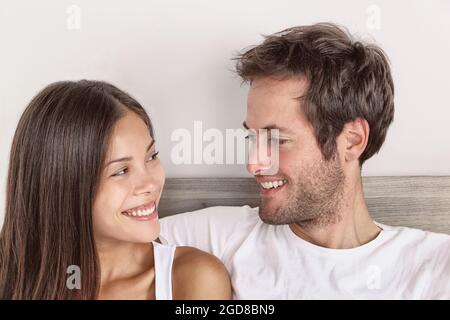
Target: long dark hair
54,168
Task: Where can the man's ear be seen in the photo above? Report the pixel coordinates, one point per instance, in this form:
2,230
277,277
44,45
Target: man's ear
356,135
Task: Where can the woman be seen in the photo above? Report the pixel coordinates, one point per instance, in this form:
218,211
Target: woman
83,189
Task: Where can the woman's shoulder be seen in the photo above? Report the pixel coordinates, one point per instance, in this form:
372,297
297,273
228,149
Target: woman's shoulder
199,275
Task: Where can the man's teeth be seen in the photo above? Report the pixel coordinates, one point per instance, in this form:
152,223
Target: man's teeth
140,213
273,184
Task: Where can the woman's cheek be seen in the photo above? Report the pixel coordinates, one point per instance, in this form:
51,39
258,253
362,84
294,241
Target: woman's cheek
161,178
117,195
110,200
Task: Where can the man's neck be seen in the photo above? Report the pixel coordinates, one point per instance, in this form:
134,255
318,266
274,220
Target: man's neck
354,229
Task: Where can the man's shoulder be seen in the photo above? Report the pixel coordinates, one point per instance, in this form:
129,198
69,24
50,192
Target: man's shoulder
423,241
428,254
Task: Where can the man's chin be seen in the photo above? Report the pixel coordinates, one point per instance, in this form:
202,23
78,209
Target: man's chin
269,214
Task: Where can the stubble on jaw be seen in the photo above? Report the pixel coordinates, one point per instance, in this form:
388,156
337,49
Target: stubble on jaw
315,199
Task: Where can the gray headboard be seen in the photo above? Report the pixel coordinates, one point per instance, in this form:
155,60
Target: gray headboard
414,201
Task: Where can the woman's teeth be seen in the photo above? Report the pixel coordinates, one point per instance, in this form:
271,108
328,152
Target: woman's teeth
273,184
140,213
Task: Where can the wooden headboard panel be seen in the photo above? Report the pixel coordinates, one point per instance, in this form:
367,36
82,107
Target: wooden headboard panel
414,201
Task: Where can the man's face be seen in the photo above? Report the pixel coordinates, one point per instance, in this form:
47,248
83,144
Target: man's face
312,189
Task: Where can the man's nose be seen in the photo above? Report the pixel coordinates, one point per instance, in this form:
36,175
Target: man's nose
258,160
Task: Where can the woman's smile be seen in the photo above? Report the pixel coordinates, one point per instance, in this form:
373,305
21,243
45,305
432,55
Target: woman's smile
143,212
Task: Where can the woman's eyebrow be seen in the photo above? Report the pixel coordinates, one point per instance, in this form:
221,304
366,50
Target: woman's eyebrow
129,158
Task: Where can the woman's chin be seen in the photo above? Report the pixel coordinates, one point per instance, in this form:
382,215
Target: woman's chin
143,238
143,232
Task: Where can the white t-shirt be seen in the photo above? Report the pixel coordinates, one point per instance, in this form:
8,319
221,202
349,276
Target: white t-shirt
271,262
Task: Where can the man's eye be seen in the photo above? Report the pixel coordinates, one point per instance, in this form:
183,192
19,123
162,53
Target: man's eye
120,172
279,140
250,137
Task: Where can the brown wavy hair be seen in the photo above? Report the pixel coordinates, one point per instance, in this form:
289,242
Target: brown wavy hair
347,79
56,158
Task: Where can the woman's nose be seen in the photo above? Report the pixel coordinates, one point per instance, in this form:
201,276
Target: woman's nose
145,182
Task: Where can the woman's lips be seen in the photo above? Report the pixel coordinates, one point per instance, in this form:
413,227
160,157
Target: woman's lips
143,212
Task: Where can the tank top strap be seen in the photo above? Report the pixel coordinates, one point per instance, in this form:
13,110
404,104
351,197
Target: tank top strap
163,259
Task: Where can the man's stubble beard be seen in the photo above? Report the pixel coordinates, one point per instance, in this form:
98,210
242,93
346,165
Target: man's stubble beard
315,199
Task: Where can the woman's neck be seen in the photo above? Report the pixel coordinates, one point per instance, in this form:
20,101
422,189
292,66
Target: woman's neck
123,260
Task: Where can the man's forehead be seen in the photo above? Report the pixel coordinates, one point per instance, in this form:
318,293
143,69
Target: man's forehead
290,88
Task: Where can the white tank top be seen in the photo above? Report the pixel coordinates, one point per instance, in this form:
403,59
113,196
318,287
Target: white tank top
163,257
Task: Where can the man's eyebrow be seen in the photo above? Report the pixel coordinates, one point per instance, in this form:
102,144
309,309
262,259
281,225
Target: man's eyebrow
300,98
269,127
129,158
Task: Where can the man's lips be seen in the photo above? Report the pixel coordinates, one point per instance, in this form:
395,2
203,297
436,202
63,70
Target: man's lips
271,185
272,182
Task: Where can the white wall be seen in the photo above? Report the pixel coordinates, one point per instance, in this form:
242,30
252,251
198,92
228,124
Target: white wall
174,57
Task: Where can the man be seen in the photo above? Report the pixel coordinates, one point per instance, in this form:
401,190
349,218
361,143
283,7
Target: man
332,100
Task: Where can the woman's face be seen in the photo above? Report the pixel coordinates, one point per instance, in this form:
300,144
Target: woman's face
131,183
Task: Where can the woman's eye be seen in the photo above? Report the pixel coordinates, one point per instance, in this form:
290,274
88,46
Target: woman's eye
154,156
120,172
